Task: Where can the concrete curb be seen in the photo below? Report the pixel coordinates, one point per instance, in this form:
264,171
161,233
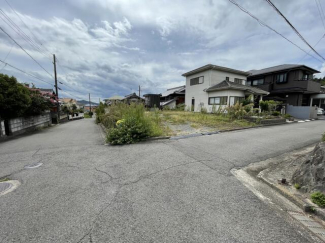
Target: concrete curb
301,203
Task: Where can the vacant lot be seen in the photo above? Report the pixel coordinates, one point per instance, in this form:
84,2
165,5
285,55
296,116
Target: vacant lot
182,122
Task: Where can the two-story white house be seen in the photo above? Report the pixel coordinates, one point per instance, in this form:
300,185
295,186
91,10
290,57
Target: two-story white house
217,86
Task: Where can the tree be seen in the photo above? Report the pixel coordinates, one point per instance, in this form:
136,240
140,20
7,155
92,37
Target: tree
14,97
319,80
74,108
65,109
39,104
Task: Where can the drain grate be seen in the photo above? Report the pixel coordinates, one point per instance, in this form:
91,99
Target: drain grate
33,166
311,224
4,186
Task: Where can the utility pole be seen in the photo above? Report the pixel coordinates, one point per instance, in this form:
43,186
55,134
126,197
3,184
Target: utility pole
56,89
89,103
139,91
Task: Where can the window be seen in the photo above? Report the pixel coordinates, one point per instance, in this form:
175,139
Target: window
195,81
238,99
305,76
258,81
238,81
281,78
227,78
218,100
249,83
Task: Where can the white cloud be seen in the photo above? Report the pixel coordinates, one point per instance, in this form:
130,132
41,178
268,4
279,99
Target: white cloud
110,47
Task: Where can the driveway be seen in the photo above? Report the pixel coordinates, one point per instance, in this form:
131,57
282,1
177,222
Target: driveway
165,191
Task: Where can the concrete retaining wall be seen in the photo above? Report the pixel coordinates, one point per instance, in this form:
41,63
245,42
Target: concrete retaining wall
24,124
302,112
2,129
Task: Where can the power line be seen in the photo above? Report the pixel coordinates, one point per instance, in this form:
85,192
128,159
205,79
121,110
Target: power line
264,24
294,29
16,28
320,14
25,51
7,57
7,64
314,47
38,41
66,75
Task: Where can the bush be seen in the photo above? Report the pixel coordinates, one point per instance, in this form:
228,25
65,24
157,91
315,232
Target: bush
130,123
287,116
276,113
132,130
323,138
318,198
264,105
236,111
297,186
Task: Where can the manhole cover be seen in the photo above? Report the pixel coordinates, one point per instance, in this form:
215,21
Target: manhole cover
33,166
4,186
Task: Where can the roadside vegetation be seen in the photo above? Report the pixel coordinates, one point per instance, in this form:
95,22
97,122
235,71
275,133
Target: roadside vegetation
128,124
318,198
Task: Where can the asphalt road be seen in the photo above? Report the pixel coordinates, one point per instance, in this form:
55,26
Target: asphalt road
164,191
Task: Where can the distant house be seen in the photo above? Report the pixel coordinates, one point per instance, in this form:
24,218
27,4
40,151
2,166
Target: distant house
87,108
173,97
69,102
216,86
113,100
132,98
290,83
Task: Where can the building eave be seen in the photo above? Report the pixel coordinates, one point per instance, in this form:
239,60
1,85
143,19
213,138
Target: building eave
215,67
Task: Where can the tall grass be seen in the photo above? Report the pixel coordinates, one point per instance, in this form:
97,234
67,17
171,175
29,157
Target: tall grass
135,124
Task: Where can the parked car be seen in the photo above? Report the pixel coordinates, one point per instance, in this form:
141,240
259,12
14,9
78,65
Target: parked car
320,111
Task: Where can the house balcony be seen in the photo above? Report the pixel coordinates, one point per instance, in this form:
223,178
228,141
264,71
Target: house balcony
305,86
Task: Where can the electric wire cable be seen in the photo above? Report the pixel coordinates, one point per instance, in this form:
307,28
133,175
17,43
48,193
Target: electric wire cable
265,25
294,29
25,51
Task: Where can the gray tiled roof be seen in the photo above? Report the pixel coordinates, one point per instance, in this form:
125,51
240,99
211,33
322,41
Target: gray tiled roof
224,85
173,90
279,68
215,67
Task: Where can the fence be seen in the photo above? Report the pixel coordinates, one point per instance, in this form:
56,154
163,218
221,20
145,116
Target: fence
23,124
302,112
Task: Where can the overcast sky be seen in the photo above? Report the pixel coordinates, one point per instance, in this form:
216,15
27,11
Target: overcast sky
110,47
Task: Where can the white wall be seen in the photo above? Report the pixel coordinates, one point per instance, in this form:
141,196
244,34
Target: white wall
211,77
228,93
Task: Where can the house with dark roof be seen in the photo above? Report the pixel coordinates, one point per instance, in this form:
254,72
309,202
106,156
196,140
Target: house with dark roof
173,97
216,86
290,83
132,98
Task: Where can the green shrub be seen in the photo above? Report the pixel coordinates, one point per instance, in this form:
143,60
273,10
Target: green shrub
276,113
134,123
318,198
236,111
323,138
132,130
287,116
297,186
264,105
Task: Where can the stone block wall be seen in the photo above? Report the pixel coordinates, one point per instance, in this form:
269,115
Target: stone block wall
2,129
23,124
